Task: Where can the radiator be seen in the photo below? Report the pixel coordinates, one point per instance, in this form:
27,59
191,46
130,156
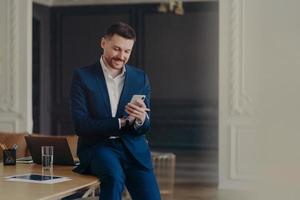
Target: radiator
164,169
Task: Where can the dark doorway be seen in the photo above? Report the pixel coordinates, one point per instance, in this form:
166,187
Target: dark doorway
36,75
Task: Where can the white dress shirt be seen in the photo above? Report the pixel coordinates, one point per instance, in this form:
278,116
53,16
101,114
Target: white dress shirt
114,88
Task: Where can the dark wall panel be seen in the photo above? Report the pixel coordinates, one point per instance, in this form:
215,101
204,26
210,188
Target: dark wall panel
180,55
42,66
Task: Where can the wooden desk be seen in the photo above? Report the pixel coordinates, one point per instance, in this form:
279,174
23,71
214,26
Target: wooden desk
32,191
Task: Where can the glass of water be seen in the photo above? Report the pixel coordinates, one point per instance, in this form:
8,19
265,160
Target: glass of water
47,157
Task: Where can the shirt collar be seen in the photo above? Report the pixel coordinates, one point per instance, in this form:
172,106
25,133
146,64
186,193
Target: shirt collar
106,71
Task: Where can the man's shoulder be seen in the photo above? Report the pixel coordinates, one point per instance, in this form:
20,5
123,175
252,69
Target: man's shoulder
135,70
86,71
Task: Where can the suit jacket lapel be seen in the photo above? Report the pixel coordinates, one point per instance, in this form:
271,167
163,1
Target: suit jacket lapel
126,92
101,83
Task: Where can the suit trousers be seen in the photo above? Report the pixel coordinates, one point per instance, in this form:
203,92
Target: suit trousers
115,167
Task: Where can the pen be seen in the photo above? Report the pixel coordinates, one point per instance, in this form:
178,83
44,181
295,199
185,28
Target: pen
147,109
2,146
15,146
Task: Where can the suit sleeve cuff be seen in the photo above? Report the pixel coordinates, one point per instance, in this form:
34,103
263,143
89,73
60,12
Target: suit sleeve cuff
138,124
120,125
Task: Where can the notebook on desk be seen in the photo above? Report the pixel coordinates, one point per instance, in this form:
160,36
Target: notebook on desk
62,152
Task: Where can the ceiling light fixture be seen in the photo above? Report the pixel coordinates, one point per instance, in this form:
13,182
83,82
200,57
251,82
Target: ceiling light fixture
173,6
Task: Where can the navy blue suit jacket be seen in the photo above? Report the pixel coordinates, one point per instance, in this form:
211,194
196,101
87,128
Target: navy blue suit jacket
92,118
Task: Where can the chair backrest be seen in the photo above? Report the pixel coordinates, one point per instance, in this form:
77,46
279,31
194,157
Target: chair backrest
9,139
72,140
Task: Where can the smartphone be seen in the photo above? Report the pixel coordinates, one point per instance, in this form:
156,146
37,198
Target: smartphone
136,97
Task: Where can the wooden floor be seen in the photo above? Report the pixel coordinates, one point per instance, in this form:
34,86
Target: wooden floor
194,192
203,192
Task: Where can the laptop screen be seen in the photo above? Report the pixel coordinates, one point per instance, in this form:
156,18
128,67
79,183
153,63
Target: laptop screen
62,152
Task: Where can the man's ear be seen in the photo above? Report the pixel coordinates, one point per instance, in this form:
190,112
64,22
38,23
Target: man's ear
102,42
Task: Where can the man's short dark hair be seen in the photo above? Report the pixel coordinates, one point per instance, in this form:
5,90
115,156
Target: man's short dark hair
121,29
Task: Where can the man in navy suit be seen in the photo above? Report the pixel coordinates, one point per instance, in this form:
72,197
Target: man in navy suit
111,129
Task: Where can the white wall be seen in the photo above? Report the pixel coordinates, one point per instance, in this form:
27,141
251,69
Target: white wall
259,95
15,65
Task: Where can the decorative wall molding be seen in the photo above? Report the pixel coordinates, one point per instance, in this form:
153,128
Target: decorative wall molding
10,72
238,133
3,54
9,125
16,55
241,103
237,128
2,47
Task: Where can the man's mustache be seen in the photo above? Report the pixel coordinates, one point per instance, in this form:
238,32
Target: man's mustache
117,59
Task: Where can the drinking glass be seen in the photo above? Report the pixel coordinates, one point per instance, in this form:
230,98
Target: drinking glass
47,157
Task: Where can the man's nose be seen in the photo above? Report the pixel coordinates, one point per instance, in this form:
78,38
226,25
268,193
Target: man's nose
121,55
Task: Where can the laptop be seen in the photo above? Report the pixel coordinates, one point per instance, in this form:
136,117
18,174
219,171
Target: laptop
62,152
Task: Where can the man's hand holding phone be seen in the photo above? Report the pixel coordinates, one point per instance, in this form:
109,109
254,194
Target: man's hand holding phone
136,108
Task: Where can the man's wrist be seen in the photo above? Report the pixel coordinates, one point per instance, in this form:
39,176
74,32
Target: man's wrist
124,122
139,122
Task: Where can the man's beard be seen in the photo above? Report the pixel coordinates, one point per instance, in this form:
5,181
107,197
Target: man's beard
114,59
